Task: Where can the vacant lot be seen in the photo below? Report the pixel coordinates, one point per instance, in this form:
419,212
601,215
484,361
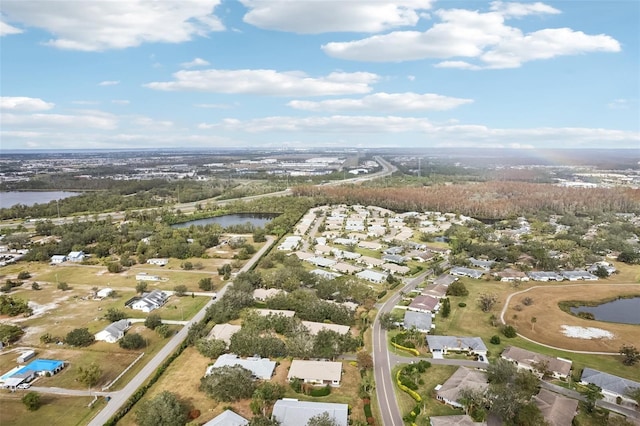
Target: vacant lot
56,410
550,319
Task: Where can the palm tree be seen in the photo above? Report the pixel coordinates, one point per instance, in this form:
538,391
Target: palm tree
533,322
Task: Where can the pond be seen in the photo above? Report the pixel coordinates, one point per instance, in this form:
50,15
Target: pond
625,311
256,219
29,198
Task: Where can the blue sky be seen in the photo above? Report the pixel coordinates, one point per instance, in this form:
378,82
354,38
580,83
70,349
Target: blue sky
319,73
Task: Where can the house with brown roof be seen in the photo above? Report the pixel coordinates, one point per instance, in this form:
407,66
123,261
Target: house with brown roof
463,378
557,410
424,304
560,368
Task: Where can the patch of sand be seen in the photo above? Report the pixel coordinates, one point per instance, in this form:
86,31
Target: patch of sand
586,332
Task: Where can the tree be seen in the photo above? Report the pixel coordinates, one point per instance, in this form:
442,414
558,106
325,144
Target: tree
630,354
141,287
365,361
322,419
509,331
132,341
386,321
533,322
24,275
263,421
601,272
634,393
163,410
530,415
32,401
180,290
265,395
63,286
187,266
474,402
79,337
163,330
211,348
10,333
153,321
457,288
592,393
205,284
89,375
495,340
501,372
228,383
115,267
487,301
446,308
114,314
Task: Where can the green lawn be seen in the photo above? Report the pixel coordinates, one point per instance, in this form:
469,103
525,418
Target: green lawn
55,410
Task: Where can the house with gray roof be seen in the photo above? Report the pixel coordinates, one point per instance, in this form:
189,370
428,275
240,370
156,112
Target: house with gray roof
291,412
560,368
261,368
463,378
227,418
545,276
445,279
557,410
579,276
316,372
150,301
372,276
326,274
443,344
223,332
612,386
466,272
484,264
421,321
114,331
323,262
394,258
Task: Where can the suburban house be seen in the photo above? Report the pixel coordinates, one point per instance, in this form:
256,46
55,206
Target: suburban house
612,386
315,327
76,256
438,291
158,261
445,279
459,271
302,255
463,378
345,268
322,262
26,356
421,256
370,245
143,276
261,368
345,241
321,249
223,332
459,420
511,275
394,258
102,293
484,264
150,301
266,312
227,418
557,410
263,294
291,412
372,276
579,276
440,345
290,243
423,303
421,321
316,372
606,265
532,361
343,254
395,268
114,331
326,274
370,262
26,373
545,276
58,258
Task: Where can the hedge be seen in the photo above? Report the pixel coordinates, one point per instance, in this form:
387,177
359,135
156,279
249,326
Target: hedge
410,350
320,391
411,393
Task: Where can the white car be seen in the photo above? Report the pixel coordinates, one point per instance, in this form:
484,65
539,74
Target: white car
24,386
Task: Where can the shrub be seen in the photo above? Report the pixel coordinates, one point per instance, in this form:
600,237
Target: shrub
509,331
382,294
495,340
527,301
63,286
462,304
24,275
320,391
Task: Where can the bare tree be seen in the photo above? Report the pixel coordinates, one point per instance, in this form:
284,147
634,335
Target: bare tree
487,301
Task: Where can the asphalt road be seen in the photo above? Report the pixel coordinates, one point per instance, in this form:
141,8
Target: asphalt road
383,360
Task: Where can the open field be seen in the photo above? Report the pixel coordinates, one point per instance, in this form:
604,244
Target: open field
56,410
550,318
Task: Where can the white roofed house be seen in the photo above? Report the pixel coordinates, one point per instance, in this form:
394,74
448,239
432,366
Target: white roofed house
105,292
291,412
261,368
150,301
58,258
466,272
158,261
443,344
370,262
370,245
114,331
290,243
76,256
316,372
315,327
396,269
263,294
372,276
484,264
345,268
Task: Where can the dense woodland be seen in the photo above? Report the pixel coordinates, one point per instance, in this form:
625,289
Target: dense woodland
486,200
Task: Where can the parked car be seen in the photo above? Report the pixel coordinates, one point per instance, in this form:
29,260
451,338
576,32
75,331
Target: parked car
24,385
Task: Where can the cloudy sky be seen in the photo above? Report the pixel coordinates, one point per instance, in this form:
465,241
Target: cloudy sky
319,73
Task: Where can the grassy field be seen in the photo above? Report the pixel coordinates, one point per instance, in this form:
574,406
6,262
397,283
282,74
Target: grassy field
56,410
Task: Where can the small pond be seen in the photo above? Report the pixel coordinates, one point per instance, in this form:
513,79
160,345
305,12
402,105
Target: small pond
256,219
29,198
625,311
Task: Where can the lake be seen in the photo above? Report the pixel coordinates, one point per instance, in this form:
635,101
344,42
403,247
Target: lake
29,198
625,311
256,219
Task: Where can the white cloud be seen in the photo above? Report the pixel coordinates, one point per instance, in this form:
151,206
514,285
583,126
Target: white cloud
382,102
6,29
620,104
268,82
483,38
103,25
522,9
151,123
84,119
120,101
197,62
109,83
23,103
321,16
